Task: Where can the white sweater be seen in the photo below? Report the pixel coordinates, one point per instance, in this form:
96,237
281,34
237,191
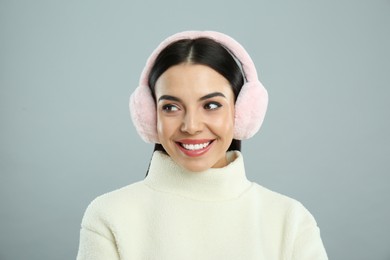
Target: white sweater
216,214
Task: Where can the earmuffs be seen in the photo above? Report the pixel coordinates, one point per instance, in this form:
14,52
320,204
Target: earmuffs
250,106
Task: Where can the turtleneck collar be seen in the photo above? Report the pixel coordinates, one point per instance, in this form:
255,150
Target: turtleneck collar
214,184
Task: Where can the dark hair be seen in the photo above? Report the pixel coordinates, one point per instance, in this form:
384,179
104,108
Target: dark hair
202,51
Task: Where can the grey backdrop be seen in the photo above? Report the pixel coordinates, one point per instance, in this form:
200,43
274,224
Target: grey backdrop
68,67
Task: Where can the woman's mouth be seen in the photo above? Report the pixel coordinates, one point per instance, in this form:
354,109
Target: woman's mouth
194,147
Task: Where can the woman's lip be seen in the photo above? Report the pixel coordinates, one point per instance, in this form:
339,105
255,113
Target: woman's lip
194,141
198,152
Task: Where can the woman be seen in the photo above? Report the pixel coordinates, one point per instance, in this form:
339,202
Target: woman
198,97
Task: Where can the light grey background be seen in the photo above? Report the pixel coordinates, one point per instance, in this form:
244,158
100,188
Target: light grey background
68,68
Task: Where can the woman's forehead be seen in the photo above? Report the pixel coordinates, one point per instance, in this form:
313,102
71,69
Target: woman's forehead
191,79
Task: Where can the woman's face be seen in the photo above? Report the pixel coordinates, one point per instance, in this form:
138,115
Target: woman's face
195,116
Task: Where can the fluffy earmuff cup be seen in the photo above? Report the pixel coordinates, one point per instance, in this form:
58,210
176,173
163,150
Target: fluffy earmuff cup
250,108
143,114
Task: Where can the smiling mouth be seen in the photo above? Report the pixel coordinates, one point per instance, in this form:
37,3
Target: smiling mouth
195,147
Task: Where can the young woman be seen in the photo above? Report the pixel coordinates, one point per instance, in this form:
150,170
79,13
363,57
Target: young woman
198,97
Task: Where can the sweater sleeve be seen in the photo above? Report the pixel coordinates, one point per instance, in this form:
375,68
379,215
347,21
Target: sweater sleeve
97,241
307,244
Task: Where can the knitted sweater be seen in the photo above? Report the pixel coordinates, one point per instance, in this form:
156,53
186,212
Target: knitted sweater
216,214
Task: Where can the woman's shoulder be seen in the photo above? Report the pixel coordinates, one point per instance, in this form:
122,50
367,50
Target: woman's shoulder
111,203
281,204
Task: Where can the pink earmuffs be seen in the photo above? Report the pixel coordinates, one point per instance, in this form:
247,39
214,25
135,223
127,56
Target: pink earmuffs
251,103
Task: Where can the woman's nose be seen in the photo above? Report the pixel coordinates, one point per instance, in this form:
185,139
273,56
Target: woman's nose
192,123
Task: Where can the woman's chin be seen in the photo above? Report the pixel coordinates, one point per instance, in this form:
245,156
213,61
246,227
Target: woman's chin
194,166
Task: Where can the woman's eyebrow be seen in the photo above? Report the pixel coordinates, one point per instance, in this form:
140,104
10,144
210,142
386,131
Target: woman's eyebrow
173,98
211,95
168,97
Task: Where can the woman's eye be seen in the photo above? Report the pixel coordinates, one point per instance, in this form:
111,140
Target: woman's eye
212,105
170,108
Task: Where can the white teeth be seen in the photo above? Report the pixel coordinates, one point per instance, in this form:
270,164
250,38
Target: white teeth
193,147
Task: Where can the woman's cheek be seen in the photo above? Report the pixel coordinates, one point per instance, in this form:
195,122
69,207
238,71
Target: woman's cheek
224,122
168,123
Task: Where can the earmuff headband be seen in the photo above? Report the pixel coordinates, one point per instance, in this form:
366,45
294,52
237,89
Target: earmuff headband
251,103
